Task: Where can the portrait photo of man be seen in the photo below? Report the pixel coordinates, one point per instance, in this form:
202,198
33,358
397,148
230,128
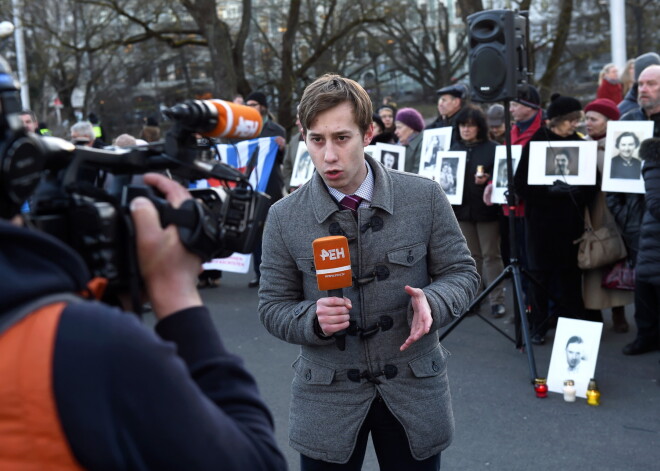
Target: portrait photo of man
502,177
575,353
390,160
625,164
562,162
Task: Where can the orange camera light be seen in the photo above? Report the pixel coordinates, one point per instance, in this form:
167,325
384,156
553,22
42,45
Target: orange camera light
333,263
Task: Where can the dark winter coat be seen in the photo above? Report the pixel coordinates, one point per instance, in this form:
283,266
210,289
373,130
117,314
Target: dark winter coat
473,207
648,259
554,214
627,209
416,242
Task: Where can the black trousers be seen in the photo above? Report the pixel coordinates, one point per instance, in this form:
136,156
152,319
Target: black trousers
647,312
390,443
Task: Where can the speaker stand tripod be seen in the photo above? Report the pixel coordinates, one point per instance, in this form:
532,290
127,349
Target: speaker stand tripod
512,270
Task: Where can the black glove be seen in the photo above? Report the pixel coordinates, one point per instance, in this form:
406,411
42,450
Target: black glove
562,188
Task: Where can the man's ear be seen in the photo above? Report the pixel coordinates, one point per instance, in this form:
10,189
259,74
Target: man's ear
368,135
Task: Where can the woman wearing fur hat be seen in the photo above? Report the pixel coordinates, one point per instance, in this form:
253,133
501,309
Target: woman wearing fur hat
598,113
553,220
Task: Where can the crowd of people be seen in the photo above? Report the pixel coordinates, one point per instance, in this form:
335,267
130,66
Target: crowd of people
417,262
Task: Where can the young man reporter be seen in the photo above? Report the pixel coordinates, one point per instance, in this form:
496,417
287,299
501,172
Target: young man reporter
412,274
95,389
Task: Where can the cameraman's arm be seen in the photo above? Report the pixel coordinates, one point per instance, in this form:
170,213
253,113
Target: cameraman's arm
168,269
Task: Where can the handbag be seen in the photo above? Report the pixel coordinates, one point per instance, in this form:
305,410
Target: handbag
620,276
601,247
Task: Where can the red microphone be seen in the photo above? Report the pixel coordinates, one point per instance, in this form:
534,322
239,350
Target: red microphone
333,271
218,118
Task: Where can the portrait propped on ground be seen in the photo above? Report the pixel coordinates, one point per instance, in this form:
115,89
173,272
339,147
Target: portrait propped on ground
574,354
433,141
573,162
451,174
391,155
303,168
500,176
622,167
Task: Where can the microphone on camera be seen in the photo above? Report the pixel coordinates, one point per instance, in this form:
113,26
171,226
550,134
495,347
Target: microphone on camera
333,271
217,118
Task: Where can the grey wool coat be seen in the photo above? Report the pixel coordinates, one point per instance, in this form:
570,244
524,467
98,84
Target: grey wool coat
408,236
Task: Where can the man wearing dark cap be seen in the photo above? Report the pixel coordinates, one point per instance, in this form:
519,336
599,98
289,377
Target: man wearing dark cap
451,100
527,115
275,186
496,126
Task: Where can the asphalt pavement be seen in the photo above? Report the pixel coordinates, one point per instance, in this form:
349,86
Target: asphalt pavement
500,423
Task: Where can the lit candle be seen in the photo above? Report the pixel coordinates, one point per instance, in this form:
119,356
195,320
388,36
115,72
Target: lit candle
569,390
540,387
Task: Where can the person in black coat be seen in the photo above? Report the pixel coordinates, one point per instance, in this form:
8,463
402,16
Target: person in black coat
647,270
554,218
479,222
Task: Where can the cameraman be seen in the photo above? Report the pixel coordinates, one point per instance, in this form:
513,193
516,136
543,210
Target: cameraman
87,386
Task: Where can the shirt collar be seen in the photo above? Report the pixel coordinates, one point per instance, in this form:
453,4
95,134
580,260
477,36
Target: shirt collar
365,190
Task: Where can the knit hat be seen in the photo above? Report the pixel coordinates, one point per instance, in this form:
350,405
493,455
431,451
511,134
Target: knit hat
643,61
562,105
529,96
258,97
604,106
411,118
650,149
495,115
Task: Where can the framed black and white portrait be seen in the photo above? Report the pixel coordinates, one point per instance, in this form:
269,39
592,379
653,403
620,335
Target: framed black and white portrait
433,141
573,162
574,354
451,174
303,168
500,175
622,167
391,155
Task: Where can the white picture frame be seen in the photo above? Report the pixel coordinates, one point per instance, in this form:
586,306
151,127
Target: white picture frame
391,156
500,176
580,160
433,141
451,174
574,354
619,173
303,167
371,149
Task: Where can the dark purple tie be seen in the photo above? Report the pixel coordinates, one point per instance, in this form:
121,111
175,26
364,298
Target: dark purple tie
351,202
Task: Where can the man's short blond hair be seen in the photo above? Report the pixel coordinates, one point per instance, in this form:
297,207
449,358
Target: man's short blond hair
331,90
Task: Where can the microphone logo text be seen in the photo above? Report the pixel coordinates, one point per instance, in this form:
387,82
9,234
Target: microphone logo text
332,254
246,127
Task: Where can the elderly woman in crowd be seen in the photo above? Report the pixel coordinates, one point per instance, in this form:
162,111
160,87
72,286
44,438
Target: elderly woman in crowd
409,126
609,85
554,218
479,223
598,113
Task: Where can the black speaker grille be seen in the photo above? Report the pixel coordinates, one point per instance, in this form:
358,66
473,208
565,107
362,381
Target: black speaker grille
488,71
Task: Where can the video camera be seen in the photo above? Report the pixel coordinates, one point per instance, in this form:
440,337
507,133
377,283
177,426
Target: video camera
70,205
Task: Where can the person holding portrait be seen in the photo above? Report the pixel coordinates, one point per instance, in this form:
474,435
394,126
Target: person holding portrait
479,222
598,113
554,218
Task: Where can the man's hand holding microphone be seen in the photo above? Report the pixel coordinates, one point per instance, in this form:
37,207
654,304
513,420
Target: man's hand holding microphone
333,273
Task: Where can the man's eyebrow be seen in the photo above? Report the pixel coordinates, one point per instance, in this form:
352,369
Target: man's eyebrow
336,133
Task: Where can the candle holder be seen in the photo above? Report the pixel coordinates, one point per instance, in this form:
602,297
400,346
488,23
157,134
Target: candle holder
541,387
